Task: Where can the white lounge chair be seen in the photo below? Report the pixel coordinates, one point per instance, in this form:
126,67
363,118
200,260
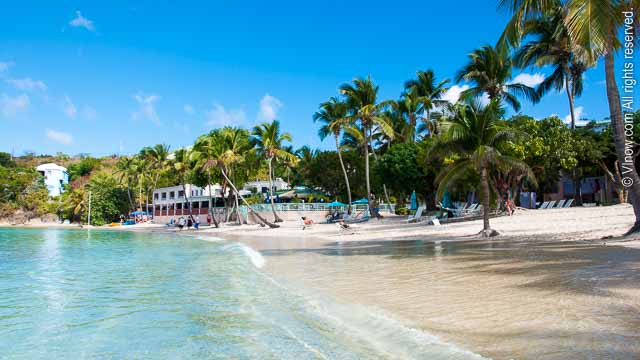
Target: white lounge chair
551,204
416,217
560,204
568,203
544,205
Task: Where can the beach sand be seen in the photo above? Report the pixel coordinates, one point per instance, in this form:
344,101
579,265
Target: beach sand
548,288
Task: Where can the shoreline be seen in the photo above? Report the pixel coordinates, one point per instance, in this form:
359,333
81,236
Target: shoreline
583,224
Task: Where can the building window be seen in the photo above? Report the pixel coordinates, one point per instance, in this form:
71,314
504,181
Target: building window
155,196
205,204
157,207
179,206
180,194
195,205
164,196
172,195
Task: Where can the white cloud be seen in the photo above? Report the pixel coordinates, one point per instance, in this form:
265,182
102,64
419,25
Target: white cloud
10,106
578,112
81,21
27,84
147,107
453,94
69,107
89,113
530,80
189,109
219,116
59,137
269,107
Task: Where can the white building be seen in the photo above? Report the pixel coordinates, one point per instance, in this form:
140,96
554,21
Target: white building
262,186
55,177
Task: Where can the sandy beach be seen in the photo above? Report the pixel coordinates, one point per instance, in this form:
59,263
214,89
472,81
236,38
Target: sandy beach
550,287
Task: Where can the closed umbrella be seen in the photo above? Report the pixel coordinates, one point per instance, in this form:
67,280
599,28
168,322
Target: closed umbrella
414,201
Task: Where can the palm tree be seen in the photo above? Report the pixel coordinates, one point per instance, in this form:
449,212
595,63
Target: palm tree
425,87
333,114
216,150
475,135
594,25
268,141
489,71
125,169
158,156
140,169
238,146
362,100
551,45
183,164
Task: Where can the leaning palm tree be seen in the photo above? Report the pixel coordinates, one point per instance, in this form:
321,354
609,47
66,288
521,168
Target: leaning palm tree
476,137
268,141
425,87
362,100
215,150
489,71
593,25
333,114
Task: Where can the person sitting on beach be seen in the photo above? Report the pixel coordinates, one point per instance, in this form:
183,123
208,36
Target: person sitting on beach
189,223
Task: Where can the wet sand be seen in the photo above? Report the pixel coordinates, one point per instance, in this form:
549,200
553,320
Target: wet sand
547,292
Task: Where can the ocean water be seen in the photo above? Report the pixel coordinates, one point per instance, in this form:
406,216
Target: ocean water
76,294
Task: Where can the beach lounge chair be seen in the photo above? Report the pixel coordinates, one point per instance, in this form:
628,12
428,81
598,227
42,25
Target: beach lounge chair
416,217
568,203
472,210
544,205
560,204
551,204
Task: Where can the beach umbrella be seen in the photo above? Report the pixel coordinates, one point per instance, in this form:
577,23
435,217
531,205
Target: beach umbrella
336,203
414,201
361,201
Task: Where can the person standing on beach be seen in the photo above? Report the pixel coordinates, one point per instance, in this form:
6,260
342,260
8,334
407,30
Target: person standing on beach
180,223
196,224
209,220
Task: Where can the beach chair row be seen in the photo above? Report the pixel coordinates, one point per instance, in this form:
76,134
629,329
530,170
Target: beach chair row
562,204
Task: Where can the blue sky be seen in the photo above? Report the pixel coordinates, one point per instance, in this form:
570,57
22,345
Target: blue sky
111,77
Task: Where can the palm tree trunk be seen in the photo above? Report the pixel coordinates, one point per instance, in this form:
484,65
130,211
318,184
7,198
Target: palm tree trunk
344,171
366,166
188,203
271,225
617,124
276,218
577,181
384,186
486,210
211,207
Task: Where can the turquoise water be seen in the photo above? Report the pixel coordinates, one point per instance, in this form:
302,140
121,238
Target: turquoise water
67,294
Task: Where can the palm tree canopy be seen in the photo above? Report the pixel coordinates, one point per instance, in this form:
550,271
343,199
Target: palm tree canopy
477,136
489,71
268,140
333,115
